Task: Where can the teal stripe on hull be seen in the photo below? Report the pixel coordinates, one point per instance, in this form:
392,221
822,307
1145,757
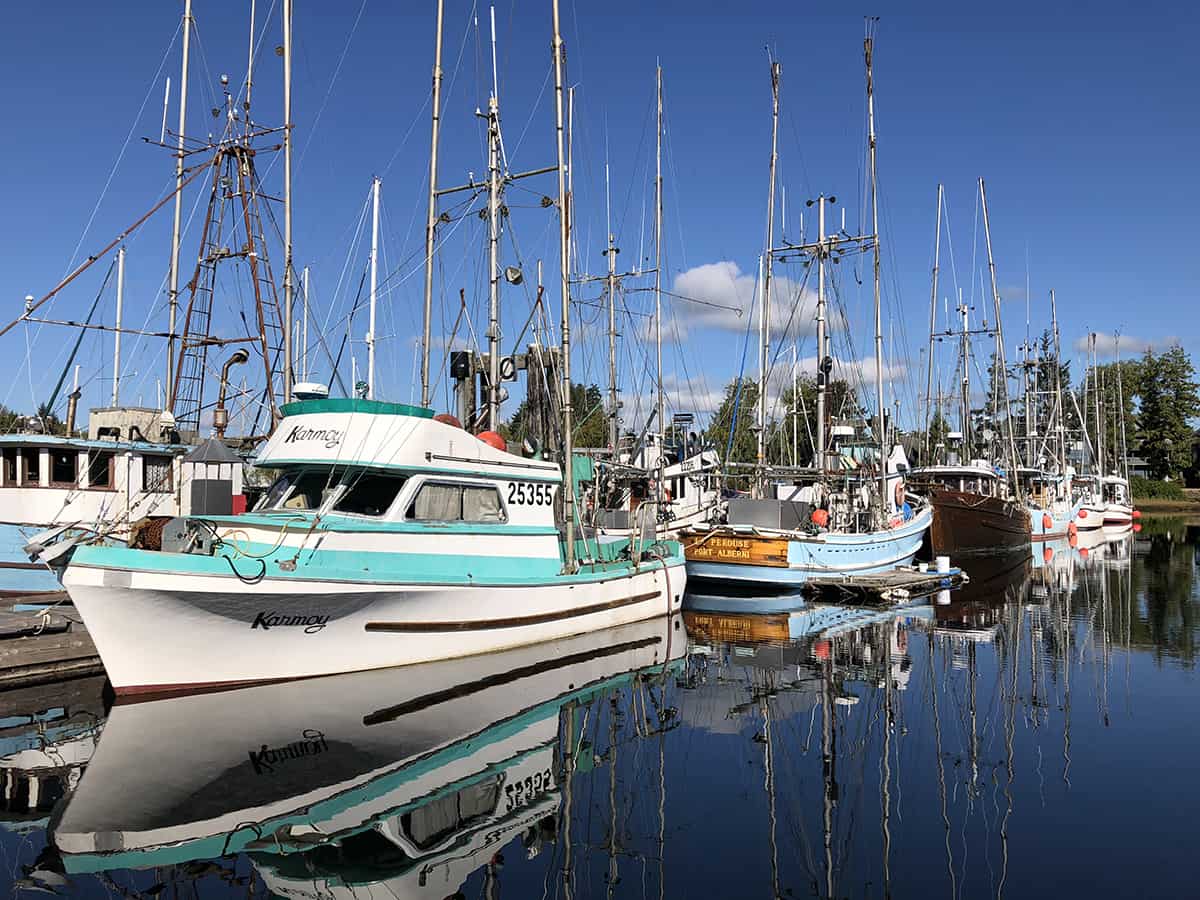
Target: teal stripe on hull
368,568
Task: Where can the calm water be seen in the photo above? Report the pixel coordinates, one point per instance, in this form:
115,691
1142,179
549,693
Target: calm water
1035,736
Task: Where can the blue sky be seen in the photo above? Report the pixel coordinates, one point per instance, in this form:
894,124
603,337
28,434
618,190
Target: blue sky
1079,122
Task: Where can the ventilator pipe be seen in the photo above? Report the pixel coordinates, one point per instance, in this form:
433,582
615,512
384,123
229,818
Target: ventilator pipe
220,415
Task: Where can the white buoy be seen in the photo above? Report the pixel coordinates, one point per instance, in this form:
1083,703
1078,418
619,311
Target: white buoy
943,564
943,598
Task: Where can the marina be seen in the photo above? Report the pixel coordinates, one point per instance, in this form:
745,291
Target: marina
447,465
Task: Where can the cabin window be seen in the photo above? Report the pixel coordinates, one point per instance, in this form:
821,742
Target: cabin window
434,822
100,469
64,467
157,475
31,467
10,465
457,503
301,492
369,494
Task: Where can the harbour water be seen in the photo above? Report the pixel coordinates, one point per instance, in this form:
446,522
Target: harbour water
1031,735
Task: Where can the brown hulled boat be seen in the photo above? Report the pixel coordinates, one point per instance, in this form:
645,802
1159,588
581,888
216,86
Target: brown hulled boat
972,512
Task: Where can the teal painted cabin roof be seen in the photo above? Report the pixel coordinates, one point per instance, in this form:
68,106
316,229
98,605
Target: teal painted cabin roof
354,405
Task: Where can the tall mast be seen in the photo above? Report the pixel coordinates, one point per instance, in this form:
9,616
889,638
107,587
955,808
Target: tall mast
658,264
1060,416
1002,376
822,375
564,213
494,185
173,278
1099,461
116,390
288,286
250,64
937,245
304,330
868,47
374,284
765,313
1122,468
431,218
964,409
614,427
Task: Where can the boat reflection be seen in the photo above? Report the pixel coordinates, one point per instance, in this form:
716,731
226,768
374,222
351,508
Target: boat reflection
408,779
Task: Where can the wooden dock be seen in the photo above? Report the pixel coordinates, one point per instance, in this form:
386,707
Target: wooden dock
901,584
45,646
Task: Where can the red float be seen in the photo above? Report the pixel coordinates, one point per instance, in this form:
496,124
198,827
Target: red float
820,517
493,440
447,419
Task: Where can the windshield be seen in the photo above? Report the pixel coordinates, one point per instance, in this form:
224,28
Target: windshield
302,491
355,492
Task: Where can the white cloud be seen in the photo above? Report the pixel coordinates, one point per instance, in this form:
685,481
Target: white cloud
1107,345
734,294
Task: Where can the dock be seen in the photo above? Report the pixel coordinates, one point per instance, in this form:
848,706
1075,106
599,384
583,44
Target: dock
901,584
45,645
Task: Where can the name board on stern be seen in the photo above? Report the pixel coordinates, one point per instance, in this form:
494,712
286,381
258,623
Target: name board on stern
745,551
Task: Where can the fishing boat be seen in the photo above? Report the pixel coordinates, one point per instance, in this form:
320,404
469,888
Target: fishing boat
850,513
1118,505
389,538
976,508
403,779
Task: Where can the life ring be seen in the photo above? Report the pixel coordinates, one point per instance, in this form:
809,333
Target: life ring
900,492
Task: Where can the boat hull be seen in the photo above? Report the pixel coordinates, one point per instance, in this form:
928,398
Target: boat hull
807,556
163,632
18,576
1118,514
1090,516
1050,523
967,523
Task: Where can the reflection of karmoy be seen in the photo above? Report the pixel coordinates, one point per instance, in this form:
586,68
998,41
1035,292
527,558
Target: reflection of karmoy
416,776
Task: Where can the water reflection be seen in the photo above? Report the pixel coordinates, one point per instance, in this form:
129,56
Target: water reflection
1005,740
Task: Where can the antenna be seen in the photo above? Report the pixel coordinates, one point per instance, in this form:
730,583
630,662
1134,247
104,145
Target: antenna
162,132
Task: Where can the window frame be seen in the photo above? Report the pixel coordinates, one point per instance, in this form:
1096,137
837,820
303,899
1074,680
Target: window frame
110,456
169,462
23,463
58,483
410,499
343,489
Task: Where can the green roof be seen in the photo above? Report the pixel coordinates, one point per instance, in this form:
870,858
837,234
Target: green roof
354,405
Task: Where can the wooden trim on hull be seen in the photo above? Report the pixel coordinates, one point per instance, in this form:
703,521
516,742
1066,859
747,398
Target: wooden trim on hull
510,622
966,522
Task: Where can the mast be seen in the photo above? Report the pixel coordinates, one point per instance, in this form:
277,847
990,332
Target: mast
304,331
868,47
116,390
614,425
431,218
564,225
1123,468
288,286
250,64
1002,375
173,278
658,223
494,185
765,311
1060,425
374,285
937,245
965,386
821,336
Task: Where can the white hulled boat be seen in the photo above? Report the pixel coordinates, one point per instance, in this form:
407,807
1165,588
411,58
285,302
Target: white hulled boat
388,539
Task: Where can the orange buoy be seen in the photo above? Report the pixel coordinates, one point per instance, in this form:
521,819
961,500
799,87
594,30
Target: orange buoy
447,419
1137,513
821,649
493,440
1083,514
820,517
1083,552
1137,526
1072,530
1047,554
1047,522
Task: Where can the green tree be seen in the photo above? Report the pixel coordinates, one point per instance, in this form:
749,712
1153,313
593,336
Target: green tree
8,420
1169,398
842,406
735,415
588,417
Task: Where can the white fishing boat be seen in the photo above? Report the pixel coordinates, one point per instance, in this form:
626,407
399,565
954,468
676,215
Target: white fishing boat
388,539
424,768
1118,506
